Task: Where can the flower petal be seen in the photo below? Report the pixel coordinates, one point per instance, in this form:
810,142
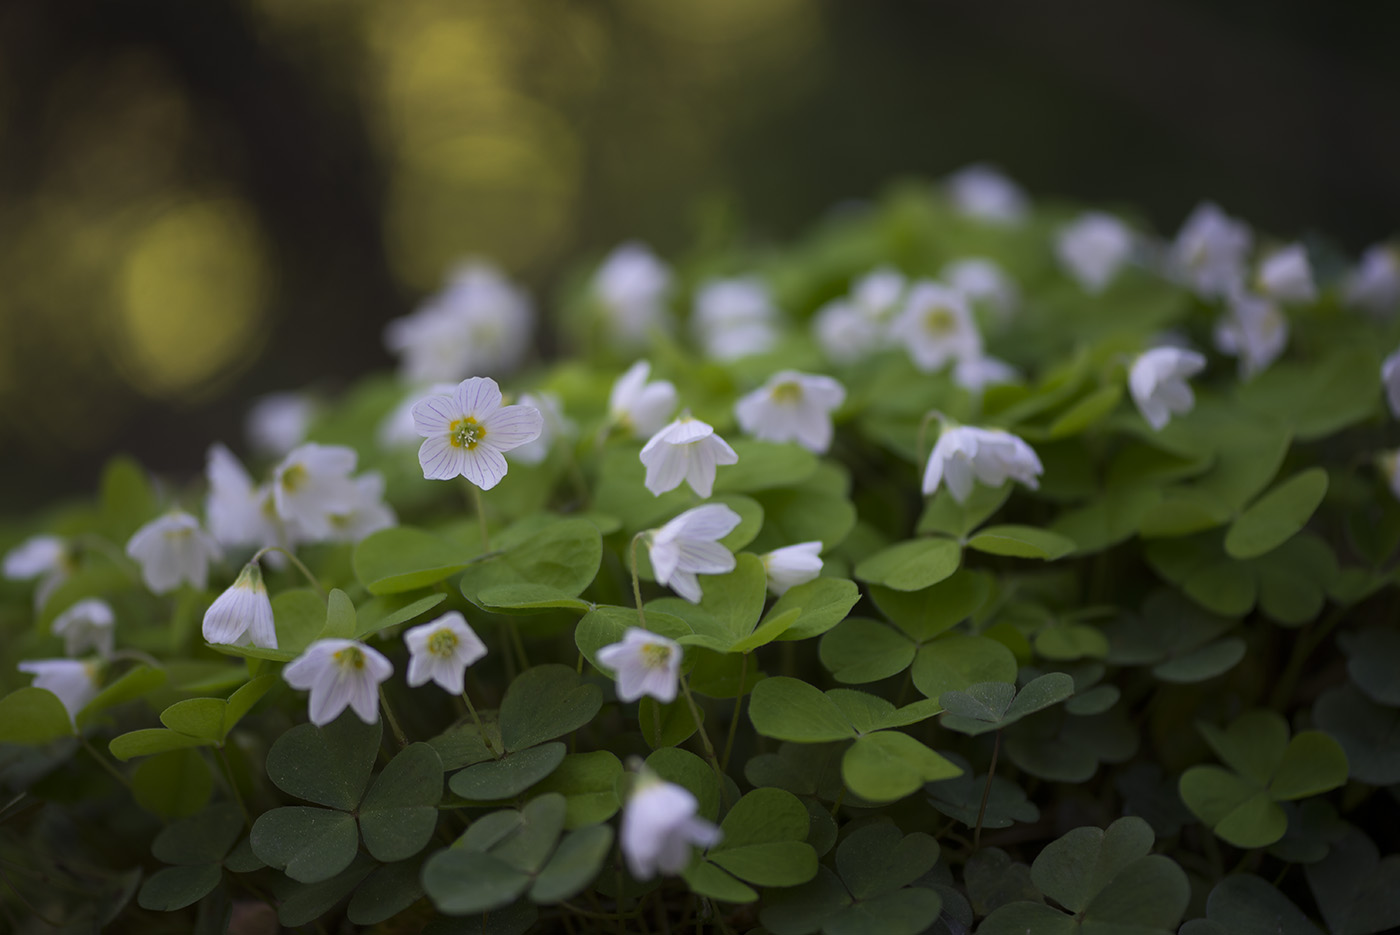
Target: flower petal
513,426
477,397
440,459
483,466
434,415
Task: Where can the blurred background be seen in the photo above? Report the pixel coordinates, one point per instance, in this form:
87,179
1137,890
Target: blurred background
204,202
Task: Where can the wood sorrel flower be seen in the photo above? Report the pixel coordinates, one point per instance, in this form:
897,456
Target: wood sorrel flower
1374,285
339,674
964,454
242,615
238,512
278,422
1286,275
1254,330
631,288
73,681
468,432
792,406
311,485
735,318
440,650
937,327
86,625
686,450
1209,252
689,544
1093,248
659,826
171,549
640,407
645,663
1157,381
980,191
792,565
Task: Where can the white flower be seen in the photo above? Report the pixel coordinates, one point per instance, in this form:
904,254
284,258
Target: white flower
87,624
1209,252
792,565
1093,248
1254,330
735,318
631,286
171,549
1286,276
964,454
242,615
554,425
479,323
1390,377
975,374
238,513
73,681
397,431
278,422
339,674
35,556
937,327
645,663
689,545
686,450
979,191
311,485
1374,285
878,293
638,406
1157,381
659,826
982,282
367,514
853,327
468,432
792,407
441,650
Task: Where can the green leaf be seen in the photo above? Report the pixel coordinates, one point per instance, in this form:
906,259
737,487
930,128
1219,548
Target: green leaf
780,863
402,558
557,562
1075,868
860,650
200,839
150,741
686,769
790,709
33,716
136,682
707,879
509,776
300,615
878,859
1358,893
946,515
764,840
1253,745
327,765
1021,542
576,863
1373,661
1314,763
955,661
1088,411
197,717
887,765
309,844
960,798
765,466
991,706
1318,399
173,785
587,781
127,500
387,891
1237,810
463,882
804,515
545,702
821,604
380,613
802,910
607,625
904,912
399,813
341,623
911,565
667,725
1246,905
243,700
530,842
731,603
310,901
932,611
177,887
1277,516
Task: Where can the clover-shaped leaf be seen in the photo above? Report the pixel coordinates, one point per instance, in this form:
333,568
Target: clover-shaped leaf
988,706
1243,904
960,798
549,568
197,847
1368,732
1241,806
545,702
1108,881
911,565
1357,892
763,842
402,558
1063,747
1373,662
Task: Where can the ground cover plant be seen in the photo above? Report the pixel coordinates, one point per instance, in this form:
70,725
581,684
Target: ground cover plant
964,566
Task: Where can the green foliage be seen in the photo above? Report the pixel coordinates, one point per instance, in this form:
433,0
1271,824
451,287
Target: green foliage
973,717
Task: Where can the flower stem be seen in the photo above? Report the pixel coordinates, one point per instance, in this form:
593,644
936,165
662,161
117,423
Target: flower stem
637,584
738,707
295,561
481,516
986,794
704,737
480,727
393,721
102,761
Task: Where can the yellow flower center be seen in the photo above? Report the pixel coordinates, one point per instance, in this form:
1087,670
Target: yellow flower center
442,643
293,477
466,433
350,658
940,321
789,391
655,656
